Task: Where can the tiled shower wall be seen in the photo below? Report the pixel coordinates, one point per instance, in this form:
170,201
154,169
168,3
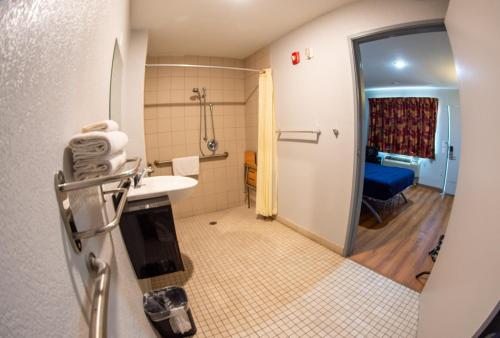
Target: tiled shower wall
172,124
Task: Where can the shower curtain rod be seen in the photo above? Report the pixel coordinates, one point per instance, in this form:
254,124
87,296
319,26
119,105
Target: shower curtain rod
201,66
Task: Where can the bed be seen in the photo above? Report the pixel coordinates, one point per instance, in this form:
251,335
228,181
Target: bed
383,183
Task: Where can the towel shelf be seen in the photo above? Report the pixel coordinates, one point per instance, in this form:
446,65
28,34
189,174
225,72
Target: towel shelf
202,159
124,174
94,182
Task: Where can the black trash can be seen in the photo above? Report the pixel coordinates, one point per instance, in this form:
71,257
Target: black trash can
168,311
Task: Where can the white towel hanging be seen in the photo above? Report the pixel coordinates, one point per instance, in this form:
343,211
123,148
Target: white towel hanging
186,166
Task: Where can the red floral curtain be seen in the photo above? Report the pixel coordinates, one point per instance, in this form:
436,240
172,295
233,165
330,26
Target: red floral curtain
403,125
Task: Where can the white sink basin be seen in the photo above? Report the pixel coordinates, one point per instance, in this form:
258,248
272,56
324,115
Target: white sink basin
176,187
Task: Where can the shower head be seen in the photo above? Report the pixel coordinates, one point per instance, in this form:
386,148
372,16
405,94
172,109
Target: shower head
196,90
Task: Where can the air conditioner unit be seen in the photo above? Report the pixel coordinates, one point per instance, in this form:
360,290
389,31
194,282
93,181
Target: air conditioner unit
403,162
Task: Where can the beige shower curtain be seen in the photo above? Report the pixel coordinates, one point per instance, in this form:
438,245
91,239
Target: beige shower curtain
266,195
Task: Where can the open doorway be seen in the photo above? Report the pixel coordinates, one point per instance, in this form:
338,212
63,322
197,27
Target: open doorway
409,147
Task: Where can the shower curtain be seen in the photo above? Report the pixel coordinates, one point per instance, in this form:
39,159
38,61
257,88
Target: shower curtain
267,194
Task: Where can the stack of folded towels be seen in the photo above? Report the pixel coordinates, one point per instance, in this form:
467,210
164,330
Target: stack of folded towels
98,150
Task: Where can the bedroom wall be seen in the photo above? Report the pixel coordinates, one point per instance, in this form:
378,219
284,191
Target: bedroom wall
54,78
315,181
432,172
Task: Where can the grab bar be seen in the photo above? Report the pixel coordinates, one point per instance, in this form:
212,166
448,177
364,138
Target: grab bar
94,182
202,159
63,188
99,311
317,132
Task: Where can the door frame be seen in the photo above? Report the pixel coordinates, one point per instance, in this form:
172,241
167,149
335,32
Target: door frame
360,109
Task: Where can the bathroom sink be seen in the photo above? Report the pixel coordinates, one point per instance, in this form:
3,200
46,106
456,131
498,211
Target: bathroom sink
176,187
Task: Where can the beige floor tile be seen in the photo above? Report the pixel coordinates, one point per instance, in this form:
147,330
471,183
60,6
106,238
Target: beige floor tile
246,277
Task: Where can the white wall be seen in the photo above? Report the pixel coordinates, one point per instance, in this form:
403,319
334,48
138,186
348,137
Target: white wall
464,285
432,172
54,77
315,180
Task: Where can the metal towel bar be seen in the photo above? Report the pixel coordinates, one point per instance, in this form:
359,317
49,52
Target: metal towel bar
99,311
317,132
62,188
202,159
94,182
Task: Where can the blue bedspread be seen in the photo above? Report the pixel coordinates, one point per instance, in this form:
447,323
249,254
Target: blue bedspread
385,182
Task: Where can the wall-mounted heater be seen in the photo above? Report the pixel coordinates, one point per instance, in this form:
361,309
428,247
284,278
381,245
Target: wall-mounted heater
403,162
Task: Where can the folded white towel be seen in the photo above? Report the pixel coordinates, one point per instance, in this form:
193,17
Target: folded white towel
186,166
106,125
97,143
95,167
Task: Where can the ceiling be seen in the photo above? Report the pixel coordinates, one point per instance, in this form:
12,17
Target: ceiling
225,28
428,58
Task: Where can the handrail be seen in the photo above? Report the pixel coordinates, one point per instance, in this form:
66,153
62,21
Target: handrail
317,132
93,182
202,159
62,188
99,311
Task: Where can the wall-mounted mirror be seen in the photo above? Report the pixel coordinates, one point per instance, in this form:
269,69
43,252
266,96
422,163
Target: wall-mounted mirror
115,87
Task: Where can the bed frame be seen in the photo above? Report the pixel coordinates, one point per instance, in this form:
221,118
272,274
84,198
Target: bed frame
372,209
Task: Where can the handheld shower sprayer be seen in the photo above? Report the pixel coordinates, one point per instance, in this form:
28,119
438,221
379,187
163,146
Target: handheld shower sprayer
204,97
201,96
212,144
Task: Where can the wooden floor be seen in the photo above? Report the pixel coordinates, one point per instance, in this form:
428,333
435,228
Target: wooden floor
398,248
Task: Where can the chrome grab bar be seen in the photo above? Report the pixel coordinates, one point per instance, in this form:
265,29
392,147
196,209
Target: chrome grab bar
99,311
93,182
317,132
111,225
202,159
62,188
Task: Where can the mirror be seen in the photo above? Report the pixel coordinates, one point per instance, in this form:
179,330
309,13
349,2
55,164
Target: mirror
115,86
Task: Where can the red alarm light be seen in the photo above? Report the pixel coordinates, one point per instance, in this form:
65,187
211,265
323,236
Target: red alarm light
295,58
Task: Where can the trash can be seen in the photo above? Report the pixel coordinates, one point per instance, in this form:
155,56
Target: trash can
168,311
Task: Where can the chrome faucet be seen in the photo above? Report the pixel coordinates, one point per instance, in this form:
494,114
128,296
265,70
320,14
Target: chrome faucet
145,172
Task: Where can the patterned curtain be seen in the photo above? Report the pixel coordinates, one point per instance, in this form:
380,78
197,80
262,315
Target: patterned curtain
403,125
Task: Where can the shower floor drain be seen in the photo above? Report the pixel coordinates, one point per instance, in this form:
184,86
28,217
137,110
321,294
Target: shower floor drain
212,222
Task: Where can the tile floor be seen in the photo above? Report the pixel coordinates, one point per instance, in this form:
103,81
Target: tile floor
249,277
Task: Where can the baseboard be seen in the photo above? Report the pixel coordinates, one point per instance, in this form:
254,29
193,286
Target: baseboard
311,235
433,188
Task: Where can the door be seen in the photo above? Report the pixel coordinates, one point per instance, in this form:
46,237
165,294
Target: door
454,150
464,285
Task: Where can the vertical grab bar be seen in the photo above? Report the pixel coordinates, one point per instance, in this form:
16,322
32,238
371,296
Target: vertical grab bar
99,311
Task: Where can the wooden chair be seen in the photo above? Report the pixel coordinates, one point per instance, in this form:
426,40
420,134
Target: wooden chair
250,173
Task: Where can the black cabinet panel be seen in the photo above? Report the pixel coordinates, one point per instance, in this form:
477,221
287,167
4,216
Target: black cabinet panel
148,229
